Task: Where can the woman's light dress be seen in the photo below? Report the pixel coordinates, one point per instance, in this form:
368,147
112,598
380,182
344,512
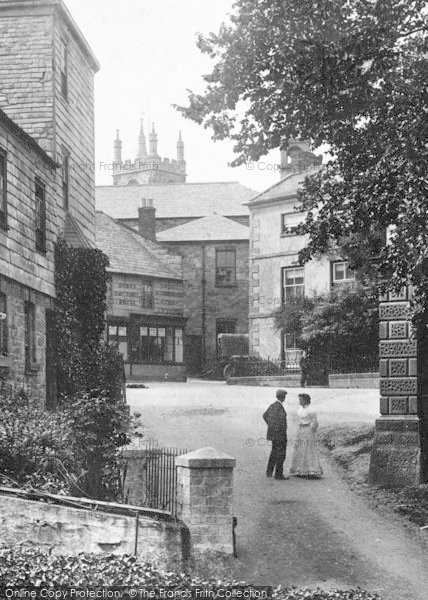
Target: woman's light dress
305,461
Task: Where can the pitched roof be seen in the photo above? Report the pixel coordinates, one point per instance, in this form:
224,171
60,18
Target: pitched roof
175,200
130,253
211,228
288,186
73,234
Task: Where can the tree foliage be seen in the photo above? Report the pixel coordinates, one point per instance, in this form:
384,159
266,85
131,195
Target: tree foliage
339,329
351,74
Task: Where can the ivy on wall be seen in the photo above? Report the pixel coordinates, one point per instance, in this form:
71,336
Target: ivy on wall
81,285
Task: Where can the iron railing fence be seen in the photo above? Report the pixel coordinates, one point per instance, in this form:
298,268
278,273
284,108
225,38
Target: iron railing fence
160,476
354,363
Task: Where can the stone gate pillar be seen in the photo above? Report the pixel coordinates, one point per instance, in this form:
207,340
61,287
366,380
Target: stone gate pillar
396,454
205,498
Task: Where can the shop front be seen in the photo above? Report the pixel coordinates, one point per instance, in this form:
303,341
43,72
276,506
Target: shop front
146,322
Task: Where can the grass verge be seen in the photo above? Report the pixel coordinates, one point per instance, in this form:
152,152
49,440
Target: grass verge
349,446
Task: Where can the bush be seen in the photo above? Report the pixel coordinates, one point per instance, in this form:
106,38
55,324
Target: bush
73,451
35,568
100,426
35,446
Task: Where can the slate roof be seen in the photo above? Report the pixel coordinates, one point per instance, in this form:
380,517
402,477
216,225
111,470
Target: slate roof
175,200
130,253
211,228
288,186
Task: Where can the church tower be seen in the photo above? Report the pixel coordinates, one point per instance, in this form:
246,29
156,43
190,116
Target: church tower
148,168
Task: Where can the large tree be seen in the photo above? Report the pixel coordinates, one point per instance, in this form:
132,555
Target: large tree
351,74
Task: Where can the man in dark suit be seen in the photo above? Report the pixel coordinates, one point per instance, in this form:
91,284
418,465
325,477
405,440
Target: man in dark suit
276,419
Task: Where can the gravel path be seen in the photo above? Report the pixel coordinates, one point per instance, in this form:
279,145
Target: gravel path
296,532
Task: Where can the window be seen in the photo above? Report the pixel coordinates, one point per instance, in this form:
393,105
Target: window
293,283
161,344
3,189
3,324
65,180
225,267
30,334
147,295
342,275
63,67
118,335
40,216
290,221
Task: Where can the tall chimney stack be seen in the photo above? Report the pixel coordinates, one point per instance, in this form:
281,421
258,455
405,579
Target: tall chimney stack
147,220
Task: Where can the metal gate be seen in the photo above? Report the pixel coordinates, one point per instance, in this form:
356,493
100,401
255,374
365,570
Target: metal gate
161,477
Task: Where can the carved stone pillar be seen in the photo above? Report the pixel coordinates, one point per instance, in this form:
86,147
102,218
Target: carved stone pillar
396,455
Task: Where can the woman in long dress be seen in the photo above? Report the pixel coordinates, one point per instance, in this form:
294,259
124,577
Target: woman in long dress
305,461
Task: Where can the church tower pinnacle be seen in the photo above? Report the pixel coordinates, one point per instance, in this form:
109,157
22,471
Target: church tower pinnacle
117,148
153,142
180,148
142,149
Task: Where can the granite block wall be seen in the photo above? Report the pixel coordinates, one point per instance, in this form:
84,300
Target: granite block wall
396,454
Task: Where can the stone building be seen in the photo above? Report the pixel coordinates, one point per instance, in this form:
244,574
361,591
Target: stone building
148,167
46,177
275,275
215,273
145,299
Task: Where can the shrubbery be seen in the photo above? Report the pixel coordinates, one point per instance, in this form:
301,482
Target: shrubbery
36,449
35,568
71,451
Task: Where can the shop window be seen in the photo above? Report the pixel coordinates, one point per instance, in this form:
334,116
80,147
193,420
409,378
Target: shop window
3,324
3,189
342,275
40,216
293,283
161,344
30,335
225,267
118,335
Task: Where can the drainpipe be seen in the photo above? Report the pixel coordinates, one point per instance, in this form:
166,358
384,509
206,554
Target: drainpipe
204,285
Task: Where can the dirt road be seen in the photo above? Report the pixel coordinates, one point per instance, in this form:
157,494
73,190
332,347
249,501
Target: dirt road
296,532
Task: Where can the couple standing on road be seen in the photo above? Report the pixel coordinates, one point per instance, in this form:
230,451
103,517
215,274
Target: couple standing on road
305,461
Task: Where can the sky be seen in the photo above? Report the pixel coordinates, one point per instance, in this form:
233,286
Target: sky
148,56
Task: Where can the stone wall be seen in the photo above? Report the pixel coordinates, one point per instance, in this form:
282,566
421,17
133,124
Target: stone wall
68,531
396,451
354,380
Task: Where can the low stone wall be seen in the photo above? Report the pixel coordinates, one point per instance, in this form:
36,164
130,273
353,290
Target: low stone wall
69,531
140,372
354,380
292,380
